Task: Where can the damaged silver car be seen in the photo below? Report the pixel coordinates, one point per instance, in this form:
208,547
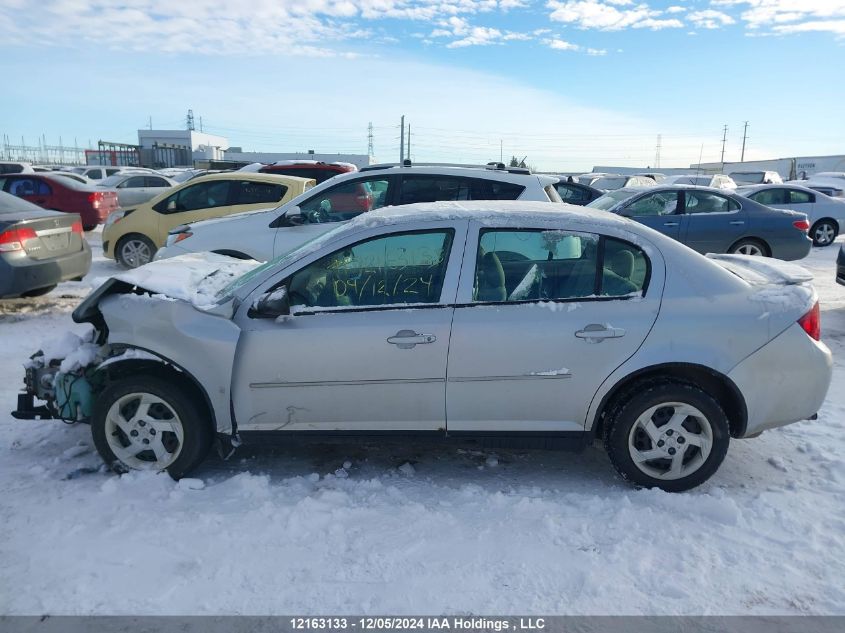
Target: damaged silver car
504,323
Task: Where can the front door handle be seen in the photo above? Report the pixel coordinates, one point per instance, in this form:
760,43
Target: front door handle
596,332
738,222
408,339
670,224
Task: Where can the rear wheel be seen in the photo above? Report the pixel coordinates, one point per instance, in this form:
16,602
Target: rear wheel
669,435
824,232
134,250
145,423
749,247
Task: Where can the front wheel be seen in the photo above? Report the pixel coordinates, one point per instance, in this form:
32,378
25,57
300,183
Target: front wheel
670,435
145,423
824,232
134,250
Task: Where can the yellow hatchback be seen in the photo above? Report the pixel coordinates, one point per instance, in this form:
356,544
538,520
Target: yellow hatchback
132,236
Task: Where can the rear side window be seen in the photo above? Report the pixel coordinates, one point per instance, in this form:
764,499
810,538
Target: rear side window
136,182
28,187
153,181
571,193
248,192
705,202
800,197
541,265
770,196
423,188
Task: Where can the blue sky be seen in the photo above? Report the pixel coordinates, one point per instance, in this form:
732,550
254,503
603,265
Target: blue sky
568,84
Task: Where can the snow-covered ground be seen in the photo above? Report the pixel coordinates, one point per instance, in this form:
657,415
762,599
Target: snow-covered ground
355,528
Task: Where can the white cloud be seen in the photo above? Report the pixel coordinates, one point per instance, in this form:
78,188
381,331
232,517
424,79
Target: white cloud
790,16
562,45
610,15
710,19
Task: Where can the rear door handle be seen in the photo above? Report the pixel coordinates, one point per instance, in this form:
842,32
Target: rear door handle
738,222
596,333
670,224
408,339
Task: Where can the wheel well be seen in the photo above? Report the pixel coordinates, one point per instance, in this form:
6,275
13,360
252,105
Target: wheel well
831,220
235,254
763,243
164,371
123,238
717,385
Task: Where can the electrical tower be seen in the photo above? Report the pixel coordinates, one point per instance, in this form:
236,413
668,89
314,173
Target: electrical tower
657,151
370,140
190,120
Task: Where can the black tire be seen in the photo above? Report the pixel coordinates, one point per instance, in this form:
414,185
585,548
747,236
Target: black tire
824,232
749,244
619,430
39,292
137,239
197,433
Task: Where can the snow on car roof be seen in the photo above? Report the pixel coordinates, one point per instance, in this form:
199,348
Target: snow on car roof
504,212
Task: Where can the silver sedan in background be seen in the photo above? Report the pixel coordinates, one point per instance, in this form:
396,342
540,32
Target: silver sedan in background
826,214
134,188
498,322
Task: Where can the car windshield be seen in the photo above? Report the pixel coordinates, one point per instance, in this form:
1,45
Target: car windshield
280,261
610,182
610,200
750,178
112,181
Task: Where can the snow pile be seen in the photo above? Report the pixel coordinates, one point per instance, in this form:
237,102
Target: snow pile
74,351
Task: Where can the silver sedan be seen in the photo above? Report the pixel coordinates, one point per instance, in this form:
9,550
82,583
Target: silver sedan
134,188
547,325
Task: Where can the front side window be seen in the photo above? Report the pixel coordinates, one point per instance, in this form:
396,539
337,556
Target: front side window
660,203
705,202
203,195
249,192
95,174
154,181
346,200
800,197
136,182
545,265
403,268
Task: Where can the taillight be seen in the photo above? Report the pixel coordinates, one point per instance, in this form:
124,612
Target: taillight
95,199
812,322
76,227
13,239
801,225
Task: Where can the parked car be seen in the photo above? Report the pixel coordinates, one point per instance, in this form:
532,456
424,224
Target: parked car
134,188
62,194
718,181
840,266
590,178
573,192
654,175
711,220
97,172
551,327
15,167
832,187
826,214
756,177
609,183
83,180
133,235
262,236
317,170
38,248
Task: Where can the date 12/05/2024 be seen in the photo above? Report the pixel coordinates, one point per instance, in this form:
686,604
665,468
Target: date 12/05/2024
456,623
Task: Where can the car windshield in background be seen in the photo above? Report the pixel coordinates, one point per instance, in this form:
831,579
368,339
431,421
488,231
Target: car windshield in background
610,182
70,183
610,200
753,178
112,181
280,261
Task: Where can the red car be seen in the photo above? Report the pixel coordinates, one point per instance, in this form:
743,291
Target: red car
353,199
93,204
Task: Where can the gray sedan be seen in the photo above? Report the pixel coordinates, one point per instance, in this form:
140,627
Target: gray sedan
826,214
38,248
713,220
134,188
547,325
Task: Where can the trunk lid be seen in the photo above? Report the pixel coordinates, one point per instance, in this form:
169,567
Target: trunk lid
54,235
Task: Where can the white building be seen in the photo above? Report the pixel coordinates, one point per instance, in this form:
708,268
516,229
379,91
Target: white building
179,148
233,154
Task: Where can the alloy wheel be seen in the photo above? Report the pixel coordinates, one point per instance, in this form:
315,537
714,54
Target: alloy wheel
749,249
824,234
135,253
144,432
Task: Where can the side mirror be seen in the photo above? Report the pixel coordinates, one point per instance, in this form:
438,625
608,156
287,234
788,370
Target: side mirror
171,206
294,217
273,304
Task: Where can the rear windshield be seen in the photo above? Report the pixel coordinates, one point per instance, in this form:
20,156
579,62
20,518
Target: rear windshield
751,178
610,199
13,204
70,183
610,182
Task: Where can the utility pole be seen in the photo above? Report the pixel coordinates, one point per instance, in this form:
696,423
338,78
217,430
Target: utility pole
501,152
724,140
370,140
657,152
200,124
744,137
151,121
409,141
402,140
